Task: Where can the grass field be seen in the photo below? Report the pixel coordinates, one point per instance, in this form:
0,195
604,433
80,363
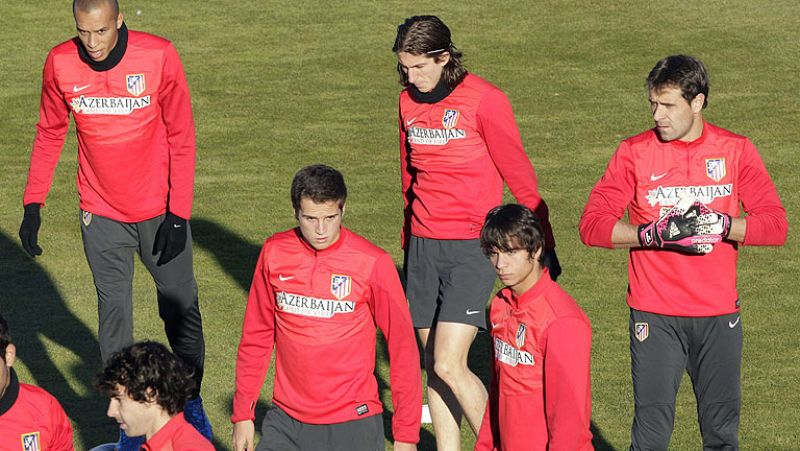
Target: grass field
278,85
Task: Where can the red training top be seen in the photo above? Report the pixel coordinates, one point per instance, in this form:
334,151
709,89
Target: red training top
136,143
178,435
32,419
319,310
455,155
721,169
540,396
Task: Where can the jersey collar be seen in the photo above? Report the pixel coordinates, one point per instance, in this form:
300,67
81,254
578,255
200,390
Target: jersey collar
12,392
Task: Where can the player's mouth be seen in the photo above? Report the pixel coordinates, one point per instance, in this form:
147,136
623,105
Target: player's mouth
96,54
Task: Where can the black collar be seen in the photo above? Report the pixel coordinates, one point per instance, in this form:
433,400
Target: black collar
11,394
437,94
114,57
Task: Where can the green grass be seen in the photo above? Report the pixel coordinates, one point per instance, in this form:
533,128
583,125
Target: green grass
278,85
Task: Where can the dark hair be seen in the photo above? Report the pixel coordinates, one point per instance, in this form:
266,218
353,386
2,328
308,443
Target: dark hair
149,372
5,337
428,35
510,227
685,72
89,5
320,183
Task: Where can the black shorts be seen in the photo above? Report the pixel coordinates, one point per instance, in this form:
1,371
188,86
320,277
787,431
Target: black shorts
447,280
280,432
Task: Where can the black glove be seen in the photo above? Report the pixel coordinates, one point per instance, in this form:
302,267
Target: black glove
170,238
29,230
550,261
680,230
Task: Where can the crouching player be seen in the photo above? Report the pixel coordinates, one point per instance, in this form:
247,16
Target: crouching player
30,418
540,393
149,386
318,293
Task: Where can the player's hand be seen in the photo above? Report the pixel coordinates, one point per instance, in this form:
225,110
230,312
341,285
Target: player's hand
243,435
29,230
680,229
403,446
712,222
550,261
170,238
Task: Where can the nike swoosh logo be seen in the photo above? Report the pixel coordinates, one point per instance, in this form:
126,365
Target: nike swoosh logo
410,121
76,88
176,226
734,323
472,312
654,177
284,279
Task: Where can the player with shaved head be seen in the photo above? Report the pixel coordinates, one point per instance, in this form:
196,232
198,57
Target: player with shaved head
128,96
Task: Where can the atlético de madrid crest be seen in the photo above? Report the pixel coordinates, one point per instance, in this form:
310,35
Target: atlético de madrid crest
450,119
715,168
521,335
135,83
340,286
31,442
641,331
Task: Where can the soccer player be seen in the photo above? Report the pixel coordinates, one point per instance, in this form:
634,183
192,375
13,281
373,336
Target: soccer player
458,143
127,93
318,293
684,305
540,395
148,388
30,418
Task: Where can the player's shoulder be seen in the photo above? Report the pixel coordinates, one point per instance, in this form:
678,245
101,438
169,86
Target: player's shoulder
37,398
719,133
68,47
562,305
141,39
644,139
362,245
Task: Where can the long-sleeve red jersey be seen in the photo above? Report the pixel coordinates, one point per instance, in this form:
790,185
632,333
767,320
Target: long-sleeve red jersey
455,155
177,435
646,177
32,419
319,310
540,395
136,142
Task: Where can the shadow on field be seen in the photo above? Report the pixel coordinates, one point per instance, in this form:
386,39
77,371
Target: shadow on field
37,313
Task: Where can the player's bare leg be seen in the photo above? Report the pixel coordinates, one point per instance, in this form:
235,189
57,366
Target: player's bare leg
444,407
450,345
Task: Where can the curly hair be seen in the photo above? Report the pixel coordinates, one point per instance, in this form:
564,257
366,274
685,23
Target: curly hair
148,372
510,227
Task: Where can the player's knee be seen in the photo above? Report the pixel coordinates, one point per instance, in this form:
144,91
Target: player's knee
448,371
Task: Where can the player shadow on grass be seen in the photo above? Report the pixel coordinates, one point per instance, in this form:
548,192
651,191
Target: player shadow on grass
238,257
37,314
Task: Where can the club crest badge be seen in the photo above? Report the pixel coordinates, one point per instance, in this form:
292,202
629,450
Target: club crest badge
641,331
521,330
715,169
135,84
31,442
340,286
86,217
450,118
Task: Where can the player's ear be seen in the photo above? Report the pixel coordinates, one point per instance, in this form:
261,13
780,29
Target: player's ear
537,255
119,20
697,103
11,355
343,209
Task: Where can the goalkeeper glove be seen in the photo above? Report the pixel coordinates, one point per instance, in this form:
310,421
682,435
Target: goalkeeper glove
170,238
29,230
680,230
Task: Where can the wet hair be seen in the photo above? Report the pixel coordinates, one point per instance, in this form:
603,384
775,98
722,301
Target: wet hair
680,71
320,183
428,35
5,338
148,372
91,5
511,227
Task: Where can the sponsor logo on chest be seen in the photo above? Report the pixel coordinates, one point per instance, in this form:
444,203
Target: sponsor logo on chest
298,304
508,354
668,196
437,136
135,84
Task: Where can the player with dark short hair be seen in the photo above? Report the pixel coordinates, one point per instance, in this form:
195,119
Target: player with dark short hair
683,183
127,93
319,291
148,387
540,393
30,418
459,144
